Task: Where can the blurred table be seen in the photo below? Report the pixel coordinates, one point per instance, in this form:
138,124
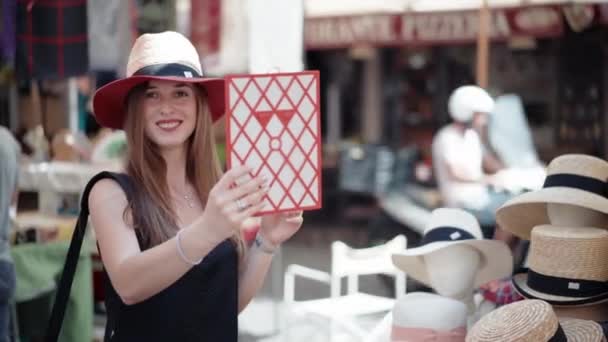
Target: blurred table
38,268
51,179
57,176
46,227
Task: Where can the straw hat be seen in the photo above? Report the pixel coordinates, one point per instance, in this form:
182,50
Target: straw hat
448,227
567,266
573,179
532,321
156,56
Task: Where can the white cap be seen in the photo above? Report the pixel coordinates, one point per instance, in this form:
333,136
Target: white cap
467,100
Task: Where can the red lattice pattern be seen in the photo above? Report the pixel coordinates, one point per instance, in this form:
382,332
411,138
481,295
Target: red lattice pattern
273,126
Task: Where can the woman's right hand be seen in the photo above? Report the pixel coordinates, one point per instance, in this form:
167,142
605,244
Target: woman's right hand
229,203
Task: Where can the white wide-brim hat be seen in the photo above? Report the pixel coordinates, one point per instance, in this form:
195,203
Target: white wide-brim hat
165,56
532,321
429,310
449,227
573,179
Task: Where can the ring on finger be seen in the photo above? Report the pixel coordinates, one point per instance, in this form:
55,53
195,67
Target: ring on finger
240,205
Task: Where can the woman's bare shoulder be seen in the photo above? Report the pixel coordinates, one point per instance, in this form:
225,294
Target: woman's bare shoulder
106,191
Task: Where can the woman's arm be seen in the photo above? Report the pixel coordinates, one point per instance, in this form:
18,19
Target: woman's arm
138,275
275,230
257,263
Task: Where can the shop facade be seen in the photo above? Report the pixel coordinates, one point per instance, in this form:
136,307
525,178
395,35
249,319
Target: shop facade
388,76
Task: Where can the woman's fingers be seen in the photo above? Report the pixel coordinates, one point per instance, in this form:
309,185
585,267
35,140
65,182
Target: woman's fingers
253,198
292,214
249,212
243,203
232,176
248,188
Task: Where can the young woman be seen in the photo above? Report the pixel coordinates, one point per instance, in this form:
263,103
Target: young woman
170,239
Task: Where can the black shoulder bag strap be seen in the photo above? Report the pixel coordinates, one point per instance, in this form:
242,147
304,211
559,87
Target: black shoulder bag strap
67,276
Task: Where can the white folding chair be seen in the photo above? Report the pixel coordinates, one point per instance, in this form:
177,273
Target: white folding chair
342,310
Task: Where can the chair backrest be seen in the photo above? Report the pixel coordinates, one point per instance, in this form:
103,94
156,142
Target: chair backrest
352,263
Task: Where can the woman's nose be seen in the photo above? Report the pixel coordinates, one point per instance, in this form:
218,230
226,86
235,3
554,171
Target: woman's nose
165,107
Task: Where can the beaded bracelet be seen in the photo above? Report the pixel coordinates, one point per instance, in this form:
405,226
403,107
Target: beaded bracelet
181,253
263,245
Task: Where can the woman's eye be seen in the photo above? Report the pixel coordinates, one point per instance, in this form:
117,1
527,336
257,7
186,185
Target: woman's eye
181,93
151,95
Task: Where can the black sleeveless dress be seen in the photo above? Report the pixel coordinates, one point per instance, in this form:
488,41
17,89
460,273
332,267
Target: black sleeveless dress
200,306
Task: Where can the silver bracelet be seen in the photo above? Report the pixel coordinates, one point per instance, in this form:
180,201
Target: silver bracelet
181,253
262,244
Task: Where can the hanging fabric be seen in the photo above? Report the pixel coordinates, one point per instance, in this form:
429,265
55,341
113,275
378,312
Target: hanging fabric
51,39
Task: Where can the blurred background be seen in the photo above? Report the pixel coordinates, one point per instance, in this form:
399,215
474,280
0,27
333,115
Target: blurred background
387,69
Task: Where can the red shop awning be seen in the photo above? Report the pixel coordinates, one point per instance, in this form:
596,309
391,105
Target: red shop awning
419,22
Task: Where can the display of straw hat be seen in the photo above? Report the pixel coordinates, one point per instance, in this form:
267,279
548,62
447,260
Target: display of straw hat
532,321
573,179
157,56
449,227
567,266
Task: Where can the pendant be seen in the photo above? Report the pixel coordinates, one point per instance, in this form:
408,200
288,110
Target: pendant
190,204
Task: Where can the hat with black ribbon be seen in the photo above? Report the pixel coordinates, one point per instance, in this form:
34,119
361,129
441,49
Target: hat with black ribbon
532,321
573,179
566,266
161,56
449,227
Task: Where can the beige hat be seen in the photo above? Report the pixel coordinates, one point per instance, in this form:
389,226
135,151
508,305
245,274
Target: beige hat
157,56
448,227
573,179
567,266
532,321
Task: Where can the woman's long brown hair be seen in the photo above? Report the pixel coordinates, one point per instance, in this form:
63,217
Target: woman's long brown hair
150,209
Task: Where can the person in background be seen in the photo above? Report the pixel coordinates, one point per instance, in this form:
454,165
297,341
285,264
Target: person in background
9,169
463,161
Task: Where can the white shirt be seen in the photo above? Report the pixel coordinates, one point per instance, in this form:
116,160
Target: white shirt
462,151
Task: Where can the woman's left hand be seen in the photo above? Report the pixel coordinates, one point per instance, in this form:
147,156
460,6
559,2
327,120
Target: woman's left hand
278,228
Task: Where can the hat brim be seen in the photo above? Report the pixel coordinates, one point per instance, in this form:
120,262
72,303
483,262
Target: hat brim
526,211
578,330
520,284
497,260
109,101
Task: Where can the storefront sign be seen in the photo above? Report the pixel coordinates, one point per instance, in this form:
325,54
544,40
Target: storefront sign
430,28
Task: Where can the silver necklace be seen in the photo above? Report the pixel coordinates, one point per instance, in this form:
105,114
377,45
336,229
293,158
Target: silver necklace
189,198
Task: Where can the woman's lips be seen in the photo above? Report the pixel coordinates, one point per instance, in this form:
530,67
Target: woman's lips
168,125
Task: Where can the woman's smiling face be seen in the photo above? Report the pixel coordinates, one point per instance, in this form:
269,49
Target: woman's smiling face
169,109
